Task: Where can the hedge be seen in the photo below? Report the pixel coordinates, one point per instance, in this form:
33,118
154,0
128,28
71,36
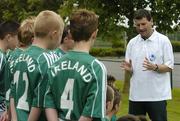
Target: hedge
102,52
118,50
176,46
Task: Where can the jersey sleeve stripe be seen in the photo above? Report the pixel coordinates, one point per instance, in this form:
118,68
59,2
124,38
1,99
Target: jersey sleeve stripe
103,87
47,59
40,81
97,87
1,62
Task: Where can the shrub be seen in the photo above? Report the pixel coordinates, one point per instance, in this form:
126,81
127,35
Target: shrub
176,46
102,52
118,44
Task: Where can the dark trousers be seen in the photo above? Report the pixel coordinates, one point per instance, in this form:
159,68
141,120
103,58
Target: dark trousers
156,110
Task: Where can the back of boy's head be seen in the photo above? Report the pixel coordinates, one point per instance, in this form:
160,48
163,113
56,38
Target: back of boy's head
117,98
47,21
109,94
26,31
110,80
8,27
82,24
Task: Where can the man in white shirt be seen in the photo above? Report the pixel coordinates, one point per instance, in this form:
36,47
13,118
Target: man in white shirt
149,59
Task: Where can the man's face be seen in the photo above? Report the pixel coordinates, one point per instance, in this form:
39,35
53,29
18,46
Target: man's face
143,27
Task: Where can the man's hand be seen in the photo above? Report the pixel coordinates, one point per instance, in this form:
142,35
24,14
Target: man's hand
148,65
127,66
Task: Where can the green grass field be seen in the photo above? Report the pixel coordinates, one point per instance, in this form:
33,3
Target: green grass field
173,106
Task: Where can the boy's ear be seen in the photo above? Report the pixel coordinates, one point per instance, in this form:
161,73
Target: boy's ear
7,37
53,34
94,34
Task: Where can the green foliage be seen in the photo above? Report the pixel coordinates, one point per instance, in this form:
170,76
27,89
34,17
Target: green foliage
102,52
110,12
20,9
176,46
118,43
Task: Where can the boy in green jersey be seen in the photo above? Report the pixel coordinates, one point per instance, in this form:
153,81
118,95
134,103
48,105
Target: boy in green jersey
25,36
66,42
30,67
77,82
8,40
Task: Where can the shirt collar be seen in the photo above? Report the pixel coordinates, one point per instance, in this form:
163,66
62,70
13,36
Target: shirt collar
152,37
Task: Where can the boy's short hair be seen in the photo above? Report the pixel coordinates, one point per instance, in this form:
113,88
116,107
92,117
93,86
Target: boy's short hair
47,21
111,78
26,31
142,13
82,24
8,27
117,98
109,94
65,33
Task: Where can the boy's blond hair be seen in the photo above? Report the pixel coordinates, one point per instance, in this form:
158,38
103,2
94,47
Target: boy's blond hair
47,21
26,32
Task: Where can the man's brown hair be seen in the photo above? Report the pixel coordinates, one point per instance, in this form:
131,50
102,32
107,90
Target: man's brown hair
26,31
47,21
82,24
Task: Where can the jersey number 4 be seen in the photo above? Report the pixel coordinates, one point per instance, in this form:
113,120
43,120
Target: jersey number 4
22,103
66,98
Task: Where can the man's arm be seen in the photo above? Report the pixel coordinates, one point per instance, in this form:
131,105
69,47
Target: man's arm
161,68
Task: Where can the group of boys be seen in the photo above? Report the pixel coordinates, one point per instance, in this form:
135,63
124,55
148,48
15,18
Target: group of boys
41,81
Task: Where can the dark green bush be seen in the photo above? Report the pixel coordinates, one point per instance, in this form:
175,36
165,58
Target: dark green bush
118,44
102,52
176,46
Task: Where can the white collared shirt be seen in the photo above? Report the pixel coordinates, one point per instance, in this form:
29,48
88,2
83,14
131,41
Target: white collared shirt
150,85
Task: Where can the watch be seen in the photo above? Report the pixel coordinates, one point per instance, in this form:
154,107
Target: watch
157,68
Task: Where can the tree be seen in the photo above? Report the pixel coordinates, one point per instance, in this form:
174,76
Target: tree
20,9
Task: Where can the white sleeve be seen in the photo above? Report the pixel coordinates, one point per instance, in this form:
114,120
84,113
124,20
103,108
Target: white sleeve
128,51
168,56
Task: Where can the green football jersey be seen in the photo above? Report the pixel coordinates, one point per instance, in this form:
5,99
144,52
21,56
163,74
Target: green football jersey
11,56
2,71
29,74
77,86
59,52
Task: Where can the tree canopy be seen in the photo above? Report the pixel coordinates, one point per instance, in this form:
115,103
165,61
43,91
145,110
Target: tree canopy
112,13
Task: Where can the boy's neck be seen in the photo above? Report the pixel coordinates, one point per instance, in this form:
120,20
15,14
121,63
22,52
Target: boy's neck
39,42
3,46
83,46
63,48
